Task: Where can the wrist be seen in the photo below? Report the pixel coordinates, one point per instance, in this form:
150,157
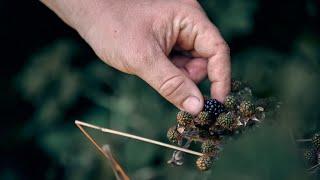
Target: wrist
79,14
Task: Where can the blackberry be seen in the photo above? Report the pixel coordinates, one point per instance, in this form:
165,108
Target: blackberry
204,162
246,108
225,120
245,94
203,118
184,118
230,102
208,146
173,135
310,157
236,85
316,141
214,108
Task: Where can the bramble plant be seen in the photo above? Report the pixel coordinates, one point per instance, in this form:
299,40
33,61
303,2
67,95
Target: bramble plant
213,127
218,121
311,152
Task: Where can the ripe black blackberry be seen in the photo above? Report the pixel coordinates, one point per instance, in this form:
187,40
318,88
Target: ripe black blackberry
204,162
214,108
184,118
173,135
316,141
208,146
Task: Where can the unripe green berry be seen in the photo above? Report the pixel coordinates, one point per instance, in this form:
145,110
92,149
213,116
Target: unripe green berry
225,120
208,146
316,141
184,118
310,157
203,118
173,135
230,102
245,95
204,162
236,85
246,108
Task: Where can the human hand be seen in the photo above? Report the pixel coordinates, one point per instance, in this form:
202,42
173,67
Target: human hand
137,36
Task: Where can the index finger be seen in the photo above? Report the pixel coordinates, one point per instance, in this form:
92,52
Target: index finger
210,44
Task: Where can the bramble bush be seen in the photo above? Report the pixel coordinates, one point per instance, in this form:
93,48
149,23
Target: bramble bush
62,90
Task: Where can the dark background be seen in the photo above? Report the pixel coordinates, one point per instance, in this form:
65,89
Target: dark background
49,77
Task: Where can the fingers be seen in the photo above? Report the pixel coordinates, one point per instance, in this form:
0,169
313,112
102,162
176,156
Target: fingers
210,44
172,84
194,68
199,36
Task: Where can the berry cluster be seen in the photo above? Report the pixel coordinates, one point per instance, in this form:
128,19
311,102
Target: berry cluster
217,121
311,152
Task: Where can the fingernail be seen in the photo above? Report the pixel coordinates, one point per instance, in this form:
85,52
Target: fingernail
192,104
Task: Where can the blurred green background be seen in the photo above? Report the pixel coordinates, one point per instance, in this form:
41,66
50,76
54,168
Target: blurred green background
50,77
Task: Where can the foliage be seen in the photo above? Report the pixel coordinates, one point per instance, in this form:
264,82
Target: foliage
61,90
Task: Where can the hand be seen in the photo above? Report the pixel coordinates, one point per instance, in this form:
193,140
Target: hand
137,36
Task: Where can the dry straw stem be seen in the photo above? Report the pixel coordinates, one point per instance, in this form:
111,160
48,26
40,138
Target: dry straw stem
106,130
303,140
117,169
120,175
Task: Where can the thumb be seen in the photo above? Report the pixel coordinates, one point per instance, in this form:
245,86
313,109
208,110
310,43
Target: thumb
172,84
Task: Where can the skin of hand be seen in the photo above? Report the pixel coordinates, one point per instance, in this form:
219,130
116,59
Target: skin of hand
137,36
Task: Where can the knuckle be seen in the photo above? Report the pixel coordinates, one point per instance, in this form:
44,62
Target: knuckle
222,47
172,86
